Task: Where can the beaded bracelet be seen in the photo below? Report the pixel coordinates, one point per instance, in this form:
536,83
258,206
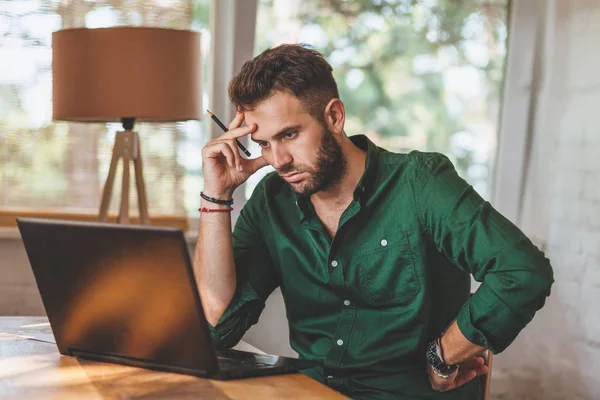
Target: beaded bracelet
216,201
204,209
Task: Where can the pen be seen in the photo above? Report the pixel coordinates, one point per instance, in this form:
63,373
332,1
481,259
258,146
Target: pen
241,146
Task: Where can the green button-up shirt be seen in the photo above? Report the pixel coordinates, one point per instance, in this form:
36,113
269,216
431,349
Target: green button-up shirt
394,276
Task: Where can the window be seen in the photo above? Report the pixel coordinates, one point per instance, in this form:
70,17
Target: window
413,75
58,166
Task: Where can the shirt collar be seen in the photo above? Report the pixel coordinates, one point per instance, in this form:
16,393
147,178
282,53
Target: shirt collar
364,184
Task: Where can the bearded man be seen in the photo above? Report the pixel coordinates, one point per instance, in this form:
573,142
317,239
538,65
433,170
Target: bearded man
373,250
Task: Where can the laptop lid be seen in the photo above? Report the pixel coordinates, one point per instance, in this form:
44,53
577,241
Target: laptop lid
121,291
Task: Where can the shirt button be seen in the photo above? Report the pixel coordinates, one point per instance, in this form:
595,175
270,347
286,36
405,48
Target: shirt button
384,242
334,263
346,302
340,342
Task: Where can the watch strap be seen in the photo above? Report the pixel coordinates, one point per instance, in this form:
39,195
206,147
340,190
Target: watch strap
435,359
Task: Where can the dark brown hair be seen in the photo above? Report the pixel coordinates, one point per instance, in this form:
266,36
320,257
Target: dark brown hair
292,68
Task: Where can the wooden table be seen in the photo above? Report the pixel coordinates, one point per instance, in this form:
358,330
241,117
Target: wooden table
32,368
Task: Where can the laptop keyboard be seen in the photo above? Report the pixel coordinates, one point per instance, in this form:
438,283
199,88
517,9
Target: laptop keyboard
240,364
227,363
231,359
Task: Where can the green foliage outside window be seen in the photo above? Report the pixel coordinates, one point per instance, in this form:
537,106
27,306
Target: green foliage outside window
423,75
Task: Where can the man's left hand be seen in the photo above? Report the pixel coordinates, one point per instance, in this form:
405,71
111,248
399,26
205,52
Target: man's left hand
465,373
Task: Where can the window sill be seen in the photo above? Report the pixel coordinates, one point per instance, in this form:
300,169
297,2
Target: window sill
9,233
9,230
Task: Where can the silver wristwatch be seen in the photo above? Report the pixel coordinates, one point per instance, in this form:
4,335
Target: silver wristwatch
435,359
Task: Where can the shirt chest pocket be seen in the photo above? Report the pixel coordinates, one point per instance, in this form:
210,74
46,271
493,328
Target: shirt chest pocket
386,270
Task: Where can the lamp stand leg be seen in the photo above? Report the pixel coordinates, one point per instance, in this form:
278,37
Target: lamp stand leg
110,180
126,155
126,147
139,180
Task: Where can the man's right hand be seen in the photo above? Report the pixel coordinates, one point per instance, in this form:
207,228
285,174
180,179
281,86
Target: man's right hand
223,167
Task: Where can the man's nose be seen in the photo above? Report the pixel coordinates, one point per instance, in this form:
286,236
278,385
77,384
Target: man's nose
281,157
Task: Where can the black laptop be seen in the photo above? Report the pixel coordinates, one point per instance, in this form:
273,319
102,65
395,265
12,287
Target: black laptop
126,294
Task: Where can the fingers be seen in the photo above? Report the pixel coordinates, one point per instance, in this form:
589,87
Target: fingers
236,153
481,370
463,377
237,121
476,365
226,146
468,374
472,363
229,150
254,164
220,149
467,371
238,132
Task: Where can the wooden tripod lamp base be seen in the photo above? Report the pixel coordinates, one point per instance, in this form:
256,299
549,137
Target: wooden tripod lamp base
127,74
127,147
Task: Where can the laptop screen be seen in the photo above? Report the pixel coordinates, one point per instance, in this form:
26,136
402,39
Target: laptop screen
119,290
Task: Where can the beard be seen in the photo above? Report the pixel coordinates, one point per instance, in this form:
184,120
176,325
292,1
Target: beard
331,165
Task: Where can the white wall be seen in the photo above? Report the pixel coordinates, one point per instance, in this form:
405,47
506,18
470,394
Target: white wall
18,292
558,354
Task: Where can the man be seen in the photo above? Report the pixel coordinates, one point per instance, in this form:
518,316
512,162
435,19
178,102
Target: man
373,250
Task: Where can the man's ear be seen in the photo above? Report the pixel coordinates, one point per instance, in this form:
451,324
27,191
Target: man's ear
335,116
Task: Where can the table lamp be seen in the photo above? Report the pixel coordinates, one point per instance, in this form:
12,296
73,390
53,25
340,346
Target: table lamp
127,75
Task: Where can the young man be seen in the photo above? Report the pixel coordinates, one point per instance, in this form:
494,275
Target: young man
373,250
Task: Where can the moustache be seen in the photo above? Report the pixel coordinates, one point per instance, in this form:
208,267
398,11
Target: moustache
288,169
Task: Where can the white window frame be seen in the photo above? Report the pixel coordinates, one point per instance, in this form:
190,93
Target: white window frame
233,28
522,86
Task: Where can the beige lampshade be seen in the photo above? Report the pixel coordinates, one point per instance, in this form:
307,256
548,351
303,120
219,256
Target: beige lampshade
105,74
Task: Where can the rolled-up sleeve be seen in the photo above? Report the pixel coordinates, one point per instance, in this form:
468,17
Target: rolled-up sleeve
515,276
256,277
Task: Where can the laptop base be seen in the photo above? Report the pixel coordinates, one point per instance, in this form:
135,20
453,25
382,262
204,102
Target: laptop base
232,364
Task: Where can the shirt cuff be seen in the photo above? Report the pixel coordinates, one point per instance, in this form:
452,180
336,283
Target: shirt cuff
487,321
233,323
466,327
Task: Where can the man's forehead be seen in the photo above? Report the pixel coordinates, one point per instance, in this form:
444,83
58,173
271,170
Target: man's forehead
279,105
274,114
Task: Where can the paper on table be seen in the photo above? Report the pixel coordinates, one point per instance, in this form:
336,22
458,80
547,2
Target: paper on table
243,346
43,332
40,331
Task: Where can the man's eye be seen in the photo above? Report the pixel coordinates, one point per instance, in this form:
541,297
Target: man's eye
264,145
291,135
